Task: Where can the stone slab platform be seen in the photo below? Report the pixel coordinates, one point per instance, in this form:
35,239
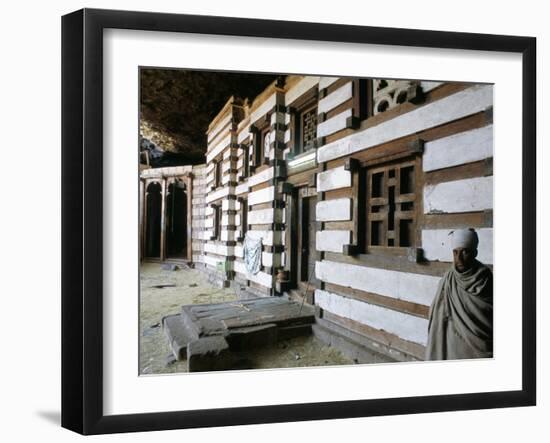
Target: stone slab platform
207,334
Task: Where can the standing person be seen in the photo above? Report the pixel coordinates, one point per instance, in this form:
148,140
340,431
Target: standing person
461,315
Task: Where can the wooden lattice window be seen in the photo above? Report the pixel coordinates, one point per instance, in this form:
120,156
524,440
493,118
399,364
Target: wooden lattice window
391,205
303,121
308,127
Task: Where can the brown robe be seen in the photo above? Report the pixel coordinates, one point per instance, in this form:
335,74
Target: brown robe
461,316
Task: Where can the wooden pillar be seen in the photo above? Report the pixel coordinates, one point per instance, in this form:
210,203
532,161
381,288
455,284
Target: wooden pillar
189,190
163,221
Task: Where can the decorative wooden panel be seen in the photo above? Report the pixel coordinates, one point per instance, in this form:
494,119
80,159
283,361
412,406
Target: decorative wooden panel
391,205
388,94
308,127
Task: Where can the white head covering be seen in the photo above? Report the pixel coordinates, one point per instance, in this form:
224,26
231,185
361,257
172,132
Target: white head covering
464,238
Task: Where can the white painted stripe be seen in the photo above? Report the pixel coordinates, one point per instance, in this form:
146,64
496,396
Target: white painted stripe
261,277
325,82
261,196
416,288
334,124
407,327
261,177
243,135
263,109
471,194
219,194
267,259
333,210
300,88
222,124
458,149
287,136
436,244
212,261
266,236
459,105
333,179
332,241
262,216
218,249
343,93
217,149
428,86
241,189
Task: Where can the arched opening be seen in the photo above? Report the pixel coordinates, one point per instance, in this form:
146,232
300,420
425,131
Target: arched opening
153,220
176,220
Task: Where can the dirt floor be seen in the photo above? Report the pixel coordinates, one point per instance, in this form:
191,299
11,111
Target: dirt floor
164,292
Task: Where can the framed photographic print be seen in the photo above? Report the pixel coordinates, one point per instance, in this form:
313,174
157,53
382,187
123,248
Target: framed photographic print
270,221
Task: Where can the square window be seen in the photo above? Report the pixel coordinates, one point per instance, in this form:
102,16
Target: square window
390,206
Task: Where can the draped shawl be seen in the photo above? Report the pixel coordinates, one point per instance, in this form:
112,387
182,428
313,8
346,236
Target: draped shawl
252,252
461,315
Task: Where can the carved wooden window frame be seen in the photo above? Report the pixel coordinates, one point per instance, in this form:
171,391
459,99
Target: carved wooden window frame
243,213
306,102
360,191
393,210
259,155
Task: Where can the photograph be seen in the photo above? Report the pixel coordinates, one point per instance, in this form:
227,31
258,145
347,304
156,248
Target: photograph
302,220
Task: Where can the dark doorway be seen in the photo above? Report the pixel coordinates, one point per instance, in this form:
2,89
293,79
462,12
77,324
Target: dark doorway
153,220
302,242
176,220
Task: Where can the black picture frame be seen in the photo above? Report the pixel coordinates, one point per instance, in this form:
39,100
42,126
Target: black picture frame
82,216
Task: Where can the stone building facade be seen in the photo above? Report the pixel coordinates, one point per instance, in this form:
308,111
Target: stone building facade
353,186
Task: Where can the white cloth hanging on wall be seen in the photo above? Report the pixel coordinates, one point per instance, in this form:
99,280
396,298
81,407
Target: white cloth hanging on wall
252,252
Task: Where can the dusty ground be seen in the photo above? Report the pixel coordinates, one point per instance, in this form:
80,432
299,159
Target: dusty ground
189,286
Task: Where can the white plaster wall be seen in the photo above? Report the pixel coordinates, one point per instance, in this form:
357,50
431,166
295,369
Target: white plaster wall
428,86
261,216
216,129
336,98
261,277
407,327
472,194
333,124
261,196
216,195
263,109
416,288
459,105
458,149
333,179
300,88
325,82
217,149
334,210
436,244
332,241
